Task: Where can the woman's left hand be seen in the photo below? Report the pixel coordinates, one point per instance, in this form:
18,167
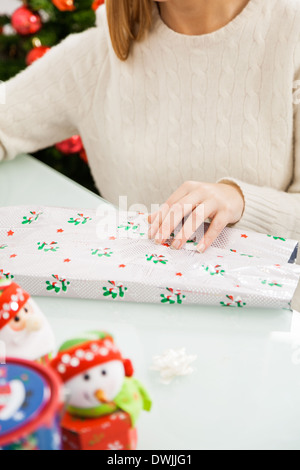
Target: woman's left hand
222,203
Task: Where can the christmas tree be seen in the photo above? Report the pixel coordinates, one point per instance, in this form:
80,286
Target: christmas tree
35,27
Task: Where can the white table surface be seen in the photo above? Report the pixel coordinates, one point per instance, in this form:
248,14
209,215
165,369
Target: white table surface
245,392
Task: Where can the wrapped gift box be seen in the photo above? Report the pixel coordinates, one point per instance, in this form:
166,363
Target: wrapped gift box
111,432
107,255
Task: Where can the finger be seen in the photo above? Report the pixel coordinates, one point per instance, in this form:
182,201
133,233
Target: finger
151,217
158,217
158,220
180,193
219,222
196,219
176,213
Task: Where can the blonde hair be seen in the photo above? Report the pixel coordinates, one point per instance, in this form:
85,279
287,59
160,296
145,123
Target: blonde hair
128,21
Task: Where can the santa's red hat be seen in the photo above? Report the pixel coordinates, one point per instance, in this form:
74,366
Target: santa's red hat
12,299
81,354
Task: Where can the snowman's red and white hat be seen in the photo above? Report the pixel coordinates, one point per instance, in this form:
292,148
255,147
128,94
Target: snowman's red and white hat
79,355
12,299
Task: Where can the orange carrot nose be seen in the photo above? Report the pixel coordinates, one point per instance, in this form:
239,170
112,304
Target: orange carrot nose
100,395
33,323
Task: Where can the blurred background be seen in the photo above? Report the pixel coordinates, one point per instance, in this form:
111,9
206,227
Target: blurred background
8,6
28,29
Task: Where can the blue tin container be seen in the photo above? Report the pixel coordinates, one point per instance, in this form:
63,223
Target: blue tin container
30,400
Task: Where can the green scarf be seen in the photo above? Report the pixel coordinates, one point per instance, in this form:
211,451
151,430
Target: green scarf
133,398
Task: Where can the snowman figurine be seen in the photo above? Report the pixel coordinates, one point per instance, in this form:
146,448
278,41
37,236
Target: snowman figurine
98,379
24,330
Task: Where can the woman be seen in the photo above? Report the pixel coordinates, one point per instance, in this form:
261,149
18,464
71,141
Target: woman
185,103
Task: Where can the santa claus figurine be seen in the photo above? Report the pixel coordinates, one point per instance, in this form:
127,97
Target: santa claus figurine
98,379
24,329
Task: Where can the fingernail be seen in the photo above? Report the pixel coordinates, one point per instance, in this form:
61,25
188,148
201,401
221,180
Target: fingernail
201,248
176,245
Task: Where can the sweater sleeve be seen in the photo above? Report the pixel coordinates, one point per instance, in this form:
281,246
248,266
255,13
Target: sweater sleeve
45,102
268,210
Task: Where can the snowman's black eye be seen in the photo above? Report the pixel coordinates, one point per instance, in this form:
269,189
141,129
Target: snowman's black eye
26,310
103,372
17,319
86,377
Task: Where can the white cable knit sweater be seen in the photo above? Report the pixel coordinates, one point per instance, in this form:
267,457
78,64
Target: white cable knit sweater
180,108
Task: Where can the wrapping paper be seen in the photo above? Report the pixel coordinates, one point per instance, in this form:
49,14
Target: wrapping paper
111,432
92,254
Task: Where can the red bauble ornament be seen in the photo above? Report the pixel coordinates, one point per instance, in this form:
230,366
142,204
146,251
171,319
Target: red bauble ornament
36,53
26,21
64,5
70,146
97,4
